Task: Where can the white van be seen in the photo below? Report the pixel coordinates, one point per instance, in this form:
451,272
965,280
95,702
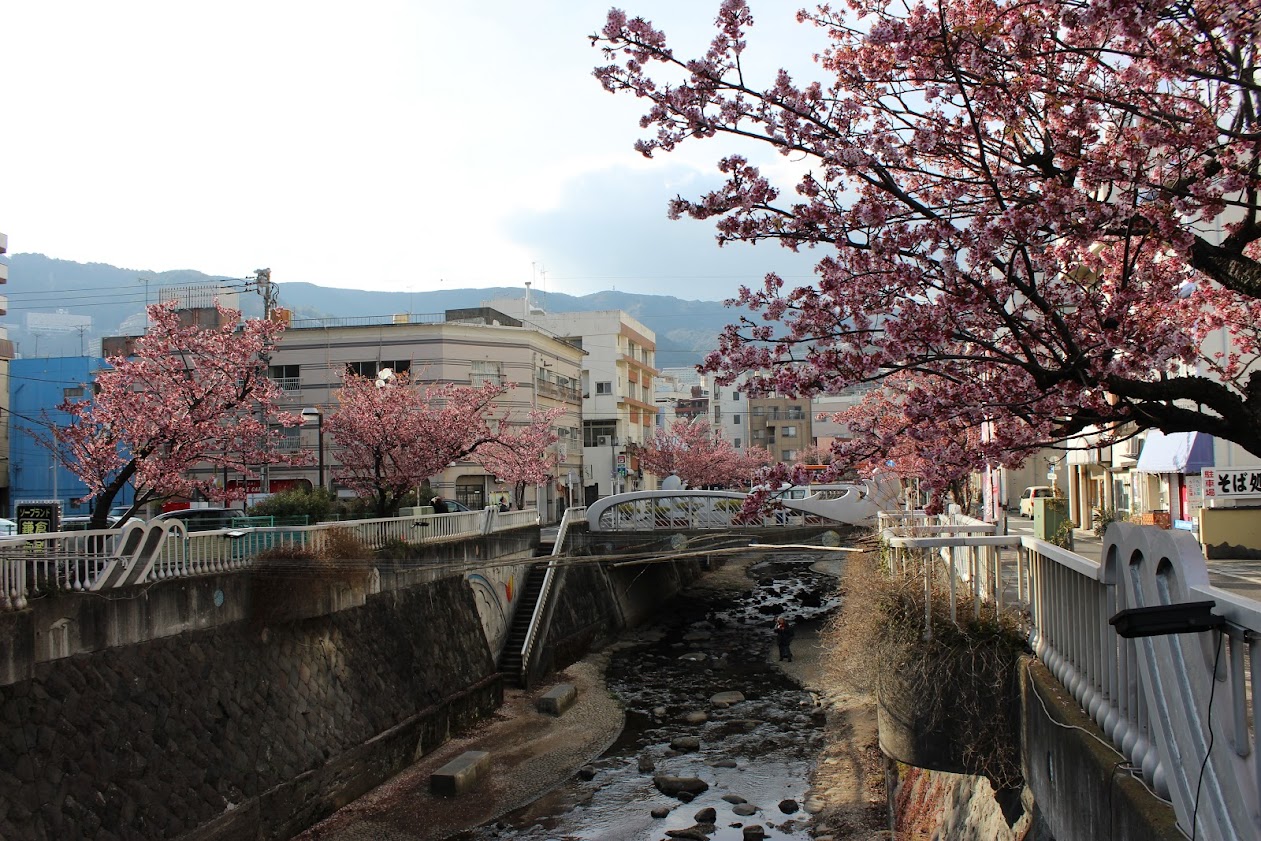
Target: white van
1030,494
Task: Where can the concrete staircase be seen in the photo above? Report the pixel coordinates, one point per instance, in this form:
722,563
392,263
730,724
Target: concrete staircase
510,664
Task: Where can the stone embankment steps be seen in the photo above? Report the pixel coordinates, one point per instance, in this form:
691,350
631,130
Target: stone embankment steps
510,658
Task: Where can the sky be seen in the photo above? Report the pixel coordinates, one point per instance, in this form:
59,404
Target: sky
404,146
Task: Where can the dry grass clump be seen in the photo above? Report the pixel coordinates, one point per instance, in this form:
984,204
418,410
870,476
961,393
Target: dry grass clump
287,582
962,673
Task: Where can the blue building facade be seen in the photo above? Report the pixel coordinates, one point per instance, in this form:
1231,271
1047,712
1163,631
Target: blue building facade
36,388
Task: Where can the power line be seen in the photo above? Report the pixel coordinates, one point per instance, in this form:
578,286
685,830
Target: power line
225,282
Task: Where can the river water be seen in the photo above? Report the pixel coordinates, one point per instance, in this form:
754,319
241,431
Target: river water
755,755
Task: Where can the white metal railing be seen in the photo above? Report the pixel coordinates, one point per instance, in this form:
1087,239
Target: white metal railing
571,516
1175,705
138,553
51,561
857,503
516,519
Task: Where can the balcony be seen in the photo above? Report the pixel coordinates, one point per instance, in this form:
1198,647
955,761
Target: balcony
289,385
546,388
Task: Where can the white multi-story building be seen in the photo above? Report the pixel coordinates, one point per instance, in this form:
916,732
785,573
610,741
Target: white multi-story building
619,411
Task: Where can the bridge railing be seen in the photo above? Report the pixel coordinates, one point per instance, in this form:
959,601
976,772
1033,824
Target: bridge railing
95,560
1175,705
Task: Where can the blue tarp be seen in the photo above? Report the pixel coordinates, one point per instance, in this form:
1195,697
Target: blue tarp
1177,452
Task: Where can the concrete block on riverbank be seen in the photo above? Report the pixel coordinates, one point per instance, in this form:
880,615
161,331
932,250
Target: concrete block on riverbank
558,699
460,774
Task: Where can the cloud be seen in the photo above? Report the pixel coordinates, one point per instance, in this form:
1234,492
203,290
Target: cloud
611,230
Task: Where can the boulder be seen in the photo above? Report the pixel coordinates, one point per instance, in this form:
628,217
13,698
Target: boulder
673,786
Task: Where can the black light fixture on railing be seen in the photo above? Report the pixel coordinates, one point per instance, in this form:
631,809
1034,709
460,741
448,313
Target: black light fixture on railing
1180,618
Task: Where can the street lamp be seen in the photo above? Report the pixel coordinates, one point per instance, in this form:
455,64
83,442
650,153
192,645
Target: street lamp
318,416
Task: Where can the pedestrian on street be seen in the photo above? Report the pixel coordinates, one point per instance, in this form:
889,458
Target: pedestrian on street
439,506
784,637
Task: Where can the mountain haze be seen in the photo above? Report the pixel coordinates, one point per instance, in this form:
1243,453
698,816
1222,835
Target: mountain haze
115,297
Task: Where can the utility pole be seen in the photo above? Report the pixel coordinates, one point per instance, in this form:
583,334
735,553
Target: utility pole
264,287
145,281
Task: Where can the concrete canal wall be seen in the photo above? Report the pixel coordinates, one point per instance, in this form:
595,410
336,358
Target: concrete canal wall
182,710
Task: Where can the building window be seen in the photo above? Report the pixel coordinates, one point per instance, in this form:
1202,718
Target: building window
594,431
735,419
788,432
486,372
286,377
72,393
288,440
604,388
736,443
371,369
789,455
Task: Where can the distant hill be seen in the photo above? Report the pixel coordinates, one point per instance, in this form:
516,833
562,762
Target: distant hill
115,297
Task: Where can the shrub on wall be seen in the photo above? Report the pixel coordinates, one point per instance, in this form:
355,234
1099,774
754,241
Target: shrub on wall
297,506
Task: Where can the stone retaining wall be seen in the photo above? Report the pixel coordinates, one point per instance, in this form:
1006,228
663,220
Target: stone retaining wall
239,731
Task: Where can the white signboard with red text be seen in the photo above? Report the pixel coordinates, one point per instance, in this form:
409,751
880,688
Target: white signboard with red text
1232,484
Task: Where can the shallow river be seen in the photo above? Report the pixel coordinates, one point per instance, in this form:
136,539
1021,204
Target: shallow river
757,752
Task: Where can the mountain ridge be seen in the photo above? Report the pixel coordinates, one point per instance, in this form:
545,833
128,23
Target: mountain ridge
114,297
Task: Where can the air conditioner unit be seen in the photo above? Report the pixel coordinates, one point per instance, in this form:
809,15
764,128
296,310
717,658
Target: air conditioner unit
604,441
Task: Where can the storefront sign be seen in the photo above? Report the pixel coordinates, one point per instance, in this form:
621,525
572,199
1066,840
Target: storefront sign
1231,484
37,518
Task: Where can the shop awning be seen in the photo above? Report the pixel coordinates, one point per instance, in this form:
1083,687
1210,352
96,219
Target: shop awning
1177,452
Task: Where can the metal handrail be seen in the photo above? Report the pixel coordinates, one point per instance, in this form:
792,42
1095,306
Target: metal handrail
572,515
91,560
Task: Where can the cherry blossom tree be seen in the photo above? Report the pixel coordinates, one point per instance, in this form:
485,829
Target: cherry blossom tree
186,398
522,455
1046,211
695,453
390,437
884,438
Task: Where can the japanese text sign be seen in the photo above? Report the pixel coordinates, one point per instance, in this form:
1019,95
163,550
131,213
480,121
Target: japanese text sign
1232,483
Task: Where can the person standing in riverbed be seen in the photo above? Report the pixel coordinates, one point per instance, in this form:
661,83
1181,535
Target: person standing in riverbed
784,638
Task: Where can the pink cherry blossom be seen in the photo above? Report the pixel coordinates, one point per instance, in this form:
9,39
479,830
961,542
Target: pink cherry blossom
188,397
391,439
1005,199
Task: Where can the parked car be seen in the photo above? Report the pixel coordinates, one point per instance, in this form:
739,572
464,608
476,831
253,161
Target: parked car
453,506
201,519
7,527
1035,492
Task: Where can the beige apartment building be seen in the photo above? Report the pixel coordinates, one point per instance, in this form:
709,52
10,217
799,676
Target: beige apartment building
467,347
784,426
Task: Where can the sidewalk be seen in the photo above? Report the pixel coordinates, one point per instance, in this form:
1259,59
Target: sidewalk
1240,576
